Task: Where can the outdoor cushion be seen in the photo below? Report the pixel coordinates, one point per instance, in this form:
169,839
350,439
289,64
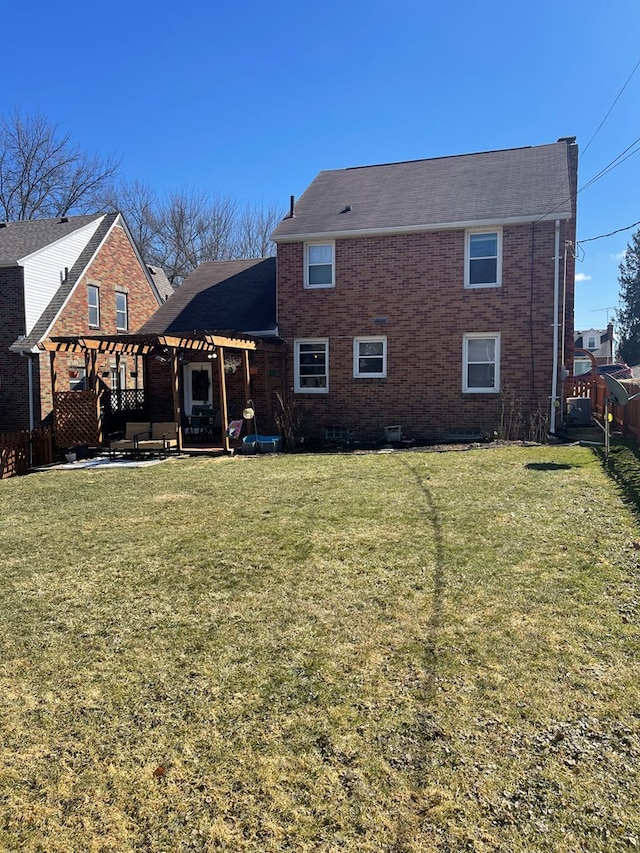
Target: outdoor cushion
164,437
133,431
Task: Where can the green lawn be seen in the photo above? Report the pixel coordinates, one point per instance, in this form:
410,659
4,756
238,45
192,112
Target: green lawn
404,652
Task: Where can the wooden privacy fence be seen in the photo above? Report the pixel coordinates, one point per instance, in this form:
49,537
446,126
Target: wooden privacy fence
24,449
626,418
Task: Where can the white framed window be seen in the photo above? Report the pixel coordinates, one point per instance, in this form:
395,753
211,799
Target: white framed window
319,265
591,342
114,377
483,258
93,297
122,311
311,366
369,357
77,378
481,363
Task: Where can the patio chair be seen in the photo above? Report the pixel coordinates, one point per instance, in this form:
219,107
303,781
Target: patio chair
164,439
127,442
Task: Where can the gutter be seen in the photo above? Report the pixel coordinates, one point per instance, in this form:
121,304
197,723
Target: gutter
556,294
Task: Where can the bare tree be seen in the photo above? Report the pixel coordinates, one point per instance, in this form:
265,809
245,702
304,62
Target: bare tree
192,227
43,174
139,204
253,231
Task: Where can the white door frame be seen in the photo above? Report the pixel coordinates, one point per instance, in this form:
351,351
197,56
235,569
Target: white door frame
187,377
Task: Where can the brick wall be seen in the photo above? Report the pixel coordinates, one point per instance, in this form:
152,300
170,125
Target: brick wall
14,406
410,287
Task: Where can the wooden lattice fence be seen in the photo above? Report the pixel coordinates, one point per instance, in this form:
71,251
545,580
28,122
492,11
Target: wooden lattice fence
77,419
24,449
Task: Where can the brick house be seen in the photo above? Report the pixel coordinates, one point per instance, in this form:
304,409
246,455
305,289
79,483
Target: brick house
434,294
68,276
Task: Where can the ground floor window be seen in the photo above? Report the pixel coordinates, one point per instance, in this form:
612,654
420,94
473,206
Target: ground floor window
311,365
369,357
481,362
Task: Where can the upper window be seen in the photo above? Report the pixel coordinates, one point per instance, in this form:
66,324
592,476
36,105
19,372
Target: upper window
481,362
483,259
94,305
122,312
591,342
370,357
319,265
311,366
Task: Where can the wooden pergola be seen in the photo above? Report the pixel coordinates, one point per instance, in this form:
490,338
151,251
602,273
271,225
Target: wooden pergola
168,347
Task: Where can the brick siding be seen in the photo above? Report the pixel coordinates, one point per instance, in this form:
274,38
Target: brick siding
115,267
410,288
14,404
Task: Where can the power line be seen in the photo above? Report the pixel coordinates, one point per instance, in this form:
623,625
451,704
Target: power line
617,98
610,234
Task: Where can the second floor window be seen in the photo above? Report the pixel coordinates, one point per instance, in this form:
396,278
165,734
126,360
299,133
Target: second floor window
122,313
319,265
483,259
94,305
591,342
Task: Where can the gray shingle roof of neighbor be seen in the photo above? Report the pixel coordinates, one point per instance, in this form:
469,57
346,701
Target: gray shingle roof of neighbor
19,239
517,184
49,314
162,283
238,296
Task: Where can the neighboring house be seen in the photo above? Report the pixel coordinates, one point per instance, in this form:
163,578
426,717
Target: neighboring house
598,342
68,276
430,294
162,283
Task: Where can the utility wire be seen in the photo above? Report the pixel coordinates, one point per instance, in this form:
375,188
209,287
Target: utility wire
610,109
610,234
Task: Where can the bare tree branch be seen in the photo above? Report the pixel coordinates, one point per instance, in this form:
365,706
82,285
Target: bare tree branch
42,174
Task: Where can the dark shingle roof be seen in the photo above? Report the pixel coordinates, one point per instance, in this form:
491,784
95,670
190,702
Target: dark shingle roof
19,239
237,296
493,186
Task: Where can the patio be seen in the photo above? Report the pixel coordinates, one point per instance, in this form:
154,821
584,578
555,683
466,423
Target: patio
181,375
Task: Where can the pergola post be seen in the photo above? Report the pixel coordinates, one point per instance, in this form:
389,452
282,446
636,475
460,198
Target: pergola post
175,390
223,400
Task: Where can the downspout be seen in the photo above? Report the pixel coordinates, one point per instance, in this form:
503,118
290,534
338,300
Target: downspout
556,300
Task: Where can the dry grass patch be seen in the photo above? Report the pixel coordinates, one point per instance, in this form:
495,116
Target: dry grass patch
409,652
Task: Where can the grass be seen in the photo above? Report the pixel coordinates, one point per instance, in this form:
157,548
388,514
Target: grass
406,652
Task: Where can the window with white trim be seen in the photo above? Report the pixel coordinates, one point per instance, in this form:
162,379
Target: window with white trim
369,357
483,258
311,365
122,311
481,363
93,297
591,342
318,265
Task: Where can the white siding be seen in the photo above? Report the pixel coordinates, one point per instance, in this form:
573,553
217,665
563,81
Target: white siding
42,270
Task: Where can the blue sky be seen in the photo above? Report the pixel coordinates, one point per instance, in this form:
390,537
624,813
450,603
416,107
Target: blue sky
253,99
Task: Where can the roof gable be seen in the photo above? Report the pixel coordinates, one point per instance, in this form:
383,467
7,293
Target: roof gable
518,184
20,239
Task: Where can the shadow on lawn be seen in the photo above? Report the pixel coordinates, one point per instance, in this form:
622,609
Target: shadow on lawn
435,620
623,466
548,466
